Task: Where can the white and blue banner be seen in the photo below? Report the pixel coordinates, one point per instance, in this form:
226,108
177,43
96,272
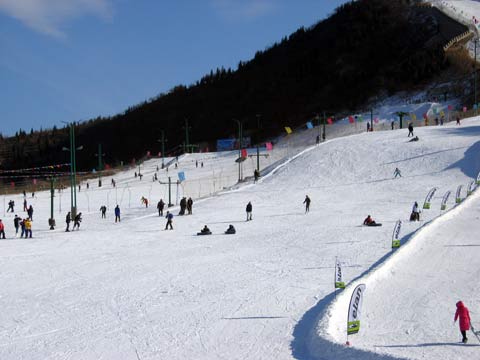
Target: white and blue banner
444,200
478,179
471,187
339,284
396,235
458,194
428,198
353,324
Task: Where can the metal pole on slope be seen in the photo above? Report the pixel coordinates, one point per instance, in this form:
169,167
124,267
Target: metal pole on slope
475,77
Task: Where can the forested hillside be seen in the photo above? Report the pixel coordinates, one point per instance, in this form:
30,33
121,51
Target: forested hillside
365,47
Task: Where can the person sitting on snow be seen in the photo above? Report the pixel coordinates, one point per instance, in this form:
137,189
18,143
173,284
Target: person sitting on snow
230,230
369,221
205,230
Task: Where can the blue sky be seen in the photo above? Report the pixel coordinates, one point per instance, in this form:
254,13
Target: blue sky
70,60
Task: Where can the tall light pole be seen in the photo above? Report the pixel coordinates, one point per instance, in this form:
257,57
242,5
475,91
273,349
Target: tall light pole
240,129
324,134
163,140
258,135
73,170
475,77
100,156
100,165
51,221
187,142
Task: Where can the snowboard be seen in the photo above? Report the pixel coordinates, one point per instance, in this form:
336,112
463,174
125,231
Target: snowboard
204,233
476,333
376,224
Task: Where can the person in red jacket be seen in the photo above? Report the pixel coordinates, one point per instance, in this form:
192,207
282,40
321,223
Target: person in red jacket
464,315
2,229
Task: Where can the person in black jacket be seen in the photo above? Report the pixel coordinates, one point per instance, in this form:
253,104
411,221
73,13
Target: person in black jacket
77,221
307,203
410,129
249,211
189,206
16,223
68,220
160,207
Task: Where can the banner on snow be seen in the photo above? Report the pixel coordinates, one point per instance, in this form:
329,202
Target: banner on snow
353,325
396,235
444,200
470,188
309,125
478,179
428,199
458,194
288,129
339,284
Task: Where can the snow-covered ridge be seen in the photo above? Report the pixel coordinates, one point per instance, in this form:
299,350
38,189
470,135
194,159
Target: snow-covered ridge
132,290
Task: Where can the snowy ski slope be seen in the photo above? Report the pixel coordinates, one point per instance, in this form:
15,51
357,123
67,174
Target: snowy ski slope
134,291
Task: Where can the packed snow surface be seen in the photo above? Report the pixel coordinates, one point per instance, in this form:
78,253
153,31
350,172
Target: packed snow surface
132,290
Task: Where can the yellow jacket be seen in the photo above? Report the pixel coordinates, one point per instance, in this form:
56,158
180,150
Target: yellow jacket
28,225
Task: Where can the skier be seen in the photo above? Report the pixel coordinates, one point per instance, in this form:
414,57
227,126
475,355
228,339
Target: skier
189,206
77,221
16,224
25,207
464,323
103,210
397,172
160,207
317,140
117,213
230,230
28,227
169,217
2,229
196,163
415,216
368,126
30,212
410,129
307,204
249,211
393,125
458,120
68,219
11,204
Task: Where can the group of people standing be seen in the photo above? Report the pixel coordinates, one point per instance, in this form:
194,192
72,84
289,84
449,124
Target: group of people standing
186,205
23,225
